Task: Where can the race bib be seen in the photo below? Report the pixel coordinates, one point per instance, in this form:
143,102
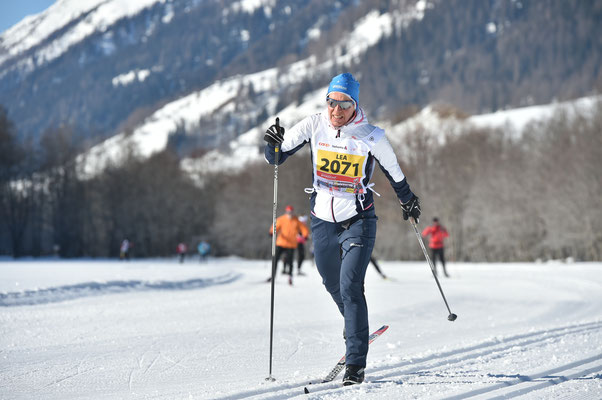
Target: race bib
340,172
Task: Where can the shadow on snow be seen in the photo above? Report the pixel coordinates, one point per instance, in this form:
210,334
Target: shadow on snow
89,289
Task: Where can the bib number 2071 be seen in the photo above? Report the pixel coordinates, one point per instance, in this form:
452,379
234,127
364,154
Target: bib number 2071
339,167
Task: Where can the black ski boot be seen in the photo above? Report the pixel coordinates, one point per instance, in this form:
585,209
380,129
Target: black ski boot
354,374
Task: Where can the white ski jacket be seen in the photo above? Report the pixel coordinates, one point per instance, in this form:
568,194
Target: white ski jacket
343,163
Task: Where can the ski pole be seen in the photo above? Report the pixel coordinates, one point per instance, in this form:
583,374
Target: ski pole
451,316
274,261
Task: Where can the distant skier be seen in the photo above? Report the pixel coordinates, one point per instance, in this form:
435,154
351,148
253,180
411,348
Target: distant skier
181,250
437,235
204,249
288,228
124,250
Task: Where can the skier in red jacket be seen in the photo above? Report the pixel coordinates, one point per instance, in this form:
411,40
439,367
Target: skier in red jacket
437,234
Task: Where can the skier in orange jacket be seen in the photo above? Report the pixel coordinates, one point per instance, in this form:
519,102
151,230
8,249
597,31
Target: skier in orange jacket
437,234
288,227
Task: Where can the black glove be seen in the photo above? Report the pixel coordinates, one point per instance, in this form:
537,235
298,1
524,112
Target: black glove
275,134
411,209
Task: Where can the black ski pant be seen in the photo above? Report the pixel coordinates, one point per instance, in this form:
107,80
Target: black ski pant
440,254
287,254
342,251
300,256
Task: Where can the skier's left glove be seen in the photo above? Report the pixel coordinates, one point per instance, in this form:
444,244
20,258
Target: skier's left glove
411,209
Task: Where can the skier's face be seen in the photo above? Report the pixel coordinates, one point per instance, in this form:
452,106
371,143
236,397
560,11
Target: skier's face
337,115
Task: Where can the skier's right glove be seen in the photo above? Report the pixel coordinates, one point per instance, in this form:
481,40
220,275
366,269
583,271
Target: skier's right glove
411,209
275,134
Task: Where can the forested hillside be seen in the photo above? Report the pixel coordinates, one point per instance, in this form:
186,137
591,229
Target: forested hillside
169,49
483,56
501,198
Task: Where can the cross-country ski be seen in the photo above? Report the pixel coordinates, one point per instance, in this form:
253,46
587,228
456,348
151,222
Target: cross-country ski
341,364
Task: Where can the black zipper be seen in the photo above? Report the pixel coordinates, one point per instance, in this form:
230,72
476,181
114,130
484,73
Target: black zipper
332,209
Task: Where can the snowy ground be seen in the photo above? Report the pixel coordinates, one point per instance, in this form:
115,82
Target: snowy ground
155,329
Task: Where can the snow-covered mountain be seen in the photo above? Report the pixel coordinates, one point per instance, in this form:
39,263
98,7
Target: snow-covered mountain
106,67
101,66
221,99
153,135
41,38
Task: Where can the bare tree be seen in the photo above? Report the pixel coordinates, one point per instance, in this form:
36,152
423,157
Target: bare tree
16,188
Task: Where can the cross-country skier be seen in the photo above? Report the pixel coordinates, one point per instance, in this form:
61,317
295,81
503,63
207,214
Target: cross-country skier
181,249
344,151
437,235
288,228
204,248
124,249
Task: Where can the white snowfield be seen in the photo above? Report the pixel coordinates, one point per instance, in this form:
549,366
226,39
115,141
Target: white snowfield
157,329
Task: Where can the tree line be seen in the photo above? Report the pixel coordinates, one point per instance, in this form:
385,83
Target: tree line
48,208
502,197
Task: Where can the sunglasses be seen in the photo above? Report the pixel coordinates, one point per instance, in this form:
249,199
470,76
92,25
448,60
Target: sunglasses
344,104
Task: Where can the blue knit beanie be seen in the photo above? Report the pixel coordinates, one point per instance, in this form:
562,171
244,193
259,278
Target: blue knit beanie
345,83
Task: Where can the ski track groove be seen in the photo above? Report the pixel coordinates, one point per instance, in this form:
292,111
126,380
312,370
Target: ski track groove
140,361
131,378
175,363
299,347
487,349
443,358
540,380
64,378
152,363
491,348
